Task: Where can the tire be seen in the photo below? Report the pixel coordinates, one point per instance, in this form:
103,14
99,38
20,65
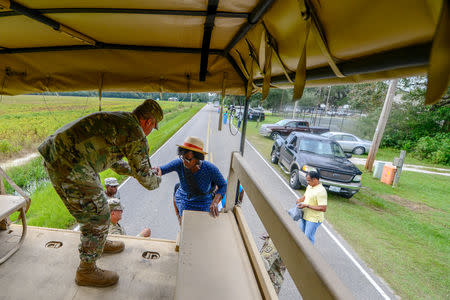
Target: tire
273,157
294,182
346,195
274,135
359,151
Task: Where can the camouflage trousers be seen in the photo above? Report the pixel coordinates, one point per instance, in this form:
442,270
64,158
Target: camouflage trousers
80,188
273,263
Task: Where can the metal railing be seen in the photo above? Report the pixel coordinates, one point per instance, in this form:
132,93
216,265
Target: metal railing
313,277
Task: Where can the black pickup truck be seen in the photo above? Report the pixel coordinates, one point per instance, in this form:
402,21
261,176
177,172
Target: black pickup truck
303,152
286,126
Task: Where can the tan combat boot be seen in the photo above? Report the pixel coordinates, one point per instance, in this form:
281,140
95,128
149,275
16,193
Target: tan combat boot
113,246
89,275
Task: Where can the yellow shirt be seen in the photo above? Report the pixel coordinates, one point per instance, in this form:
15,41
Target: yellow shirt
315,196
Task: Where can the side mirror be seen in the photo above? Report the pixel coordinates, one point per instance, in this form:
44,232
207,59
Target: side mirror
348,155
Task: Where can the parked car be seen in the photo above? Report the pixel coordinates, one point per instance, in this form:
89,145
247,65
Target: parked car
286,126
254,114
303,152
349,142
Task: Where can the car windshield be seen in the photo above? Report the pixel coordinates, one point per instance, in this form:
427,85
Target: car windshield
282,122
321,147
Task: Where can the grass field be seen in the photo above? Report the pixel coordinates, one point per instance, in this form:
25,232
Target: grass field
26,120
47,210
403,233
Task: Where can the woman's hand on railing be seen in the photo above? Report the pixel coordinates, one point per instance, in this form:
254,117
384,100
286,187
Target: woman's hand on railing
214,207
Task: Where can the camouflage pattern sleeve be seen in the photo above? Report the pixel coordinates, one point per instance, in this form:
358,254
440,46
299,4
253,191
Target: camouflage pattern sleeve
121,167
116,229
139,162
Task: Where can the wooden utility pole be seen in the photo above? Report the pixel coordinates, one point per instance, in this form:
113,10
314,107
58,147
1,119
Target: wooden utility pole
328,97
295,108
398,162
384,116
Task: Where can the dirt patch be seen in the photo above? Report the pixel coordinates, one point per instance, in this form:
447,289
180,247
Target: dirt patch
372,207
414,206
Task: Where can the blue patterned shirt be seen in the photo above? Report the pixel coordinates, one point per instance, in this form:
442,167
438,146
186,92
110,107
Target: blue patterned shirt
205,177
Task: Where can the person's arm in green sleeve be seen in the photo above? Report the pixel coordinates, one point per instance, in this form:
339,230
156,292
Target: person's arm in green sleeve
137,154
122,168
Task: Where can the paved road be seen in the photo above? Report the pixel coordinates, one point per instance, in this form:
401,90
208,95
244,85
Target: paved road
154,209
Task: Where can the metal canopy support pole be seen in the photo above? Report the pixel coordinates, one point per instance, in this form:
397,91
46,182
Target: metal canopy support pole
100,89
384,116
225,75
207,32
241,148
244,126
252,20
37,16
138,11
109,47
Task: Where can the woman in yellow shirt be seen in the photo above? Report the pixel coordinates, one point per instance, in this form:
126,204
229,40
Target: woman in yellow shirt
314,205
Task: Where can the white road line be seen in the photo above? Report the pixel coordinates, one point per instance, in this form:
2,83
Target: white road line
163,145
369,278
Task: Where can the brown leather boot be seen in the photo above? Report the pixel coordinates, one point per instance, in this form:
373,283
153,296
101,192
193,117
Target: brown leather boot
113,246
89,275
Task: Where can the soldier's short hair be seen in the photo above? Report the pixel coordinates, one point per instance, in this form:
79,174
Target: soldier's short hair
149,109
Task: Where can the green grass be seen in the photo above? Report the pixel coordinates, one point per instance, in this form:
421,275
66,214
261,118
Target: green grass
388,154
402,234
26,120
47,210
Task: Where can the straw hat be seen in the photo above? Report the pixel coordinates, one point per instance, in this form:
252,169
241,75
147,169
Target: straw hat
193,143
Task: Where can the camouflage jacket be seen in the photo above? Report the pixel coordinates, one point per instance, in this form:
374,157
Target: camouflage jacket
116,229
100,140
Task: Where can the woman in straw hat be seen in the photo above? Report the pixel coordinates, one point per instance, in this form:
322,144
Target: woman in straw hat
198,178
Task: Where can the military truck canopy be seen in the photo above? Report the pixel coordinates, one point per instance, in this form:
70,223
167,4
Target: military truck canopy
195,46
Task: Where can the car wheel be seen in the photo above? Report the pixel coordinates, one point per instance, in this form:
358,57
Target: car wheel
273,157
359,151
346,195
274,135
294,182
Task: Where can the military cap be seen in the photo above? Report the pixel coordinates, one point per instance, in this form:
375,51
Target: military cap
114,204
111,181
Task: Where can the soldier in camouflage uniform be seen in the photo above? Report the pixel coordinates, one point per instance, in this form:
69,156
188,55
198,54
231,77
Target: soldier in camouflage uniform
273,263
114,226
116,209
73,157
